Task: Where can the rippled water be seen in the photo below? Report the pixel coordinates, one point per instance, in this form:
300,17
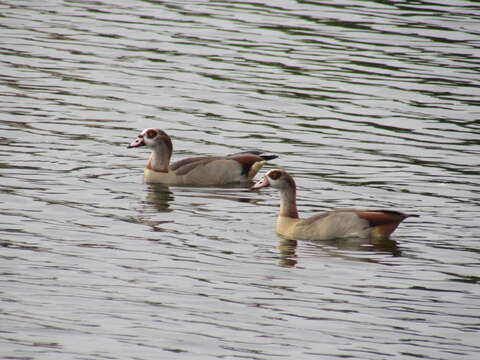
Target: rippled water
367,103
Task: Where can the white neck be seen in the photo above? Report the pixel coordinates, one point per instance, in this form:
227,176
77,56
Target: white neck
160,157
288,203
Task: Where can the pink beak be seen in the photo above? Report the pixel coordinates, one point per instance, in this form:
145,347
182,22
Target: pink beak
261,183
137,142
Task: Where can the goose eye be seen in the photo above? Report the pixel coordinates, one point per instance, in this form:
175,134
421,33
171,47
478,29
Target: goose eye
275,174
151,134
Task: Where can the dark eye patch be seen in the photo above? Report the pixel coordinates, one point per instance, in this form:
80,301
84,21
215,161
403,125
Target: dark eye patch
151,134
275,174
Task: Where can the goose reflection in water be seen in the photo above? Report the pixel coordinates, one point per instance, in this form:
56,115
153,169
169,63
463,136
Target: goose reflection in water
159,197
352,249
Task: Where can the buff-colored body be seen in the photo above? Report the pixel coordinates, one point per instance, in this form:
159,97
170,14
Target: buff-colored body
344,223
198,171
336,224
216,172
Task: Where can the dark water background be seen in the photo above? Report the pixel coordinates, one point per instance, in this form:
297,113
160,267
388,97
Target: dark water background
371,104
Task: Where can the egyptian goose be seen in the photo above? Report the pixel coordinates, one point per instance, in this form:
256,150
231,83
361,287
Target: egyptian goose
373,224
197,171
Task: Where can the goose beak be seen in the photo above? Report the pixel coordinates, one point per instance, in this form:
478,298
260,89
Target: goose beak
137,143
261,183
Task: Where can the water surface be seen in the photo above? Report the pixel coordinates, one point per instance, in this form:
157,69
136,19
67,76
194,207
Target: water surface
368,104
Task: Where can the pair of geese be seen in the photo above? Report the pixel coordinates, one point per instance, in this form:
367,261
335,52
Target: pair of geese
242,168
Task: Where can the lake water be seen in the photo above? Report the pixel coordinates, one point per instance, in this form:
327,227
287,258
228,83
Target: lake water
369,104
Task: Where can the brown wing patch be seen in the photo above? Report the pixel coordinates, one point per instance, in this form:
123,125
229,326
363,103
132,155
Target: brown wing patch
383,222
246,161
381,217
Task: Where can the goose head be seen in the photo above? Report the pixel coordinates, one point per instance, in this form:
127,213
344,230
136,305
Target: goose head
151,138
276,178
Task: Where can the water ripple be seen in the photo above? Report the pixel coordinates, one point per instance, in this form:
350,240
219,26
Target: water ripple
370,104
